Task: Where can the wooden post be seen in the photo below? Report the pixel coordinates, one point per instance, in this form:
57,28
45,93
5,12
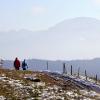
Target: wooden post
96,78
64,68
86,74
78,71
71,70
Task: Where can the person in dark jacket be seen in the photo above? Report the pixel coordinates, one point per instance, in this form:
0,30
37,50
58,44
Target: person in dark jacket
24,65
17,64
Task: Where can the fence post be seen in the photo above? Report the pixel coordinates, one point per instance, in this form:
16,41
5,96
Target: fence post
86,74
78,71
47,65
64,68
71,70
96,78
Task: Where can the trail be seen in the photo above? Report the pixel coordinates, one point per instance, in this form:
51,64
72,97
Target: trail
83,84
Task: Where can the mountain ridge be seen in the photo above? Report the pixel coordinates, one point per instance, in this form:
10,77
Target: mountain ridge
92,66
64,21
53,44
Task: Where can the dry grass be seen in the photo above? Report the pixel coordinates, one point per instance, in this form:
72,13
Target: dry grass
18,93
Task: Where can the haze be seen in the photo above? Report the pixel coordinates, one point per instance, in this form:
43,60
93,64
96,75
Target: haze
52,29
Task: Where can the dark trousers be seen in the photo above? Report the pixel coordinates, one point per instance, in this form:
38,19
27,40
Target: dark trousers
24,68
17,68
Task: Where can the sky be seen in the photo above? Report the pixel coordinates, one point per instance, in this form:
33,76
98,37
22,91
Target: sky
41,14
37,15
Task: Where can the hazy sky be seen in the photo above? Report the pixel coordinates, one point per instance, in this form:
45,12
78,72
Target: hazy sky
37,15
41,14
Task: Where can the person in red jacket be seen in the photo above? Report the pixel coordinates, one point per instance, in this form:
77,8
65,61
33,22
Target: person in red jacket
16,63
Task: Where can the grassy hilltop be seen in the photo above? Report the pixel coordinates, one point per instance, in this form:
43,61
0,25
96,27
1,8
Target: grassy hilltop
15,85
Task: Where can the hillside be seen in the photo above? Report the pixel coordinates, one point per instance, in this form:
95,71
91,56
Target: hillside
92,65
20,85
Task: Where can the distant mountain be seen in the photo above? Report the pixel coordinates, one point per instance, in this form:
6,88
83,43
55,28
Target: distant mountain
79,24
76,26
72,38
92,66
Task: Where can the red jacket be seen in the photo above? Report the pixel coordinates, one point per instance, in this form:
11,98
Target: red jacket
16,63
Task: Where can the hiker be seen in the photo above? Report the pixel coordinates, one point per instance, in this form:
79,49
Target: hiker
16,63
24,65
